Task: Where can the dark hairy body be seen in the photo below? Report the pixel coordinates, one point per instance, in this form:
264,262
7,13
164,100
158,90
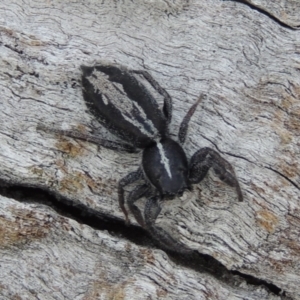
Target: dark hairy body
122,103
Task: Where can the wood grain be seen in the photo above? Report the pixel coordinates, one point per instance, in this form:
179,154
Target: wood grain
245,61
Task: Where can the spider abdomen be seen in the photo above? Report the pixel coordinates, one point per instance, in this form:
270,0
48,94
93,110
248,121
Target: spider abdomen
122,104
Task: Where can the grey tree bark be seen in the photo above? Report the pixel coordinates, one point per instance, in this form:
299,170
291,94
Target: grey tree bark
62,234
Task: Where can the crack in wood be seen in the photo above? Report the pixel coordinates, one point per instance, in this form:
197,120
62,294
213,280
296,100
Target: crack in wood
116,227
266,13
285,177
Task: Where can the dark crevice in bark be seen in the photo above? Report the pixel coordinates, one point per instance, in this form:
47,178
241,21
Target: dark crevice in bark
285,177
74,210
116,227
265,12
227,153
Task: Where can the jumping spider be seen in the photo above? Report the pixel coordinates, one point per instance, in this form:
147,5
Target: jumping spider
120,101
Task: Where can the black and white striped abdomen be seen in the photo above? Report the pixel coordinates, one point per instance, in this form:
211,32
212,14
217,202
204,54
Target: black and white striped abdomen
123,104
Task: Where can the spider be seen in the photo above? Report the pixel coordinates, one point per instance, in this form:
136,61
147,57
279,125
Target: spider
121,102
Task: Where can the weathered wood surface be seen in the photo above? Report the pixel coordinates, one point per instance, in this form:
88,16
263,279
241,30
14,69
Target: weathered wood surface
286,12
247,63
46,256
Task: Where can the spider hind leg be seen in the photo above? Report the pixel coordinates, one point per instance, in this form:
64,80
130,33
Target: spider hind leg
167,108
87,137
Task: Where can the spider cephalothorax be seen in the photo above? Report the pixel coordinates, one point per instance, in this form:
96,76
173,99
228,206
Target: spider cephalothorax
121,102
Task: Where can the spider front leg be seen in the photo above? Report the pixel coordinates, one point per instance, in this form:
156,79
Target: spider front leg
152,210
139,192
128,179
206,158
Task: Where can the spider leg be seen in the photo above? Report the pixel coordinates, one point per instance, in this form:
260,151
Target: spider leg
164,239
206,158
185,122
89,138
128,179
167,108
139,192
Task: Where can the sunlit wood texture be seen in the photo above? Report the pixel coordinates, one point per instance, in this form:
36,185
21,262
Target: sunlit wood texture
246,58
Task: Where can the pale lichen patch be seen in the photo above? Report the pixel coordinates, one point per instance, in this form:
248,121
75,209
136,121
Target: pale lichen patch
73,183
24,227
267,220
69,148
